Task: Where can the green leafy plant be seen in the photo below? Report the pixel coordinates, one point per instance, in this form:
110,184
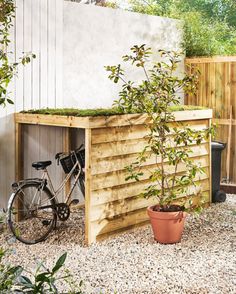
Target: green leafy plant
8,69
8,274
168,141
209,25
15,279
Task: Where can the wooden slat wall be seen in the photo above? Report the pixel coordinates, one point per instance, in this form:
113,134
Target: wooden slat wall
115,204
42,143
38,29
217,90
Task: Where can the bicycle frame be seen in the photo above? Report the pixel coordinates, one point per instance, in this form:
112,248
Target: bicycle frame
55,193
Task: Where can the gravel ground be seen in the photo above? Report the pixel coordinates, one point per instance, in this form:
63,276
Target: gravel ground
204,262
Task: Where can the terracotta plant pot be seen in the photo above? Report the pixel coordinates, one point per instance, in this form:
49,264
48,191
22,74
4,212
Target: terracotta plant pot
167,226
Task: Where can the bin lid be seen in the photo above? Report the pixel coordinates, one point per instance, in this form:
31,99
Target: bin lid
217,145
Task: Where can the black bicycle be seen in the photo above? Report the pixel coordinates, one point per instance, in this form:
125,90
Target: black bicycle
33,207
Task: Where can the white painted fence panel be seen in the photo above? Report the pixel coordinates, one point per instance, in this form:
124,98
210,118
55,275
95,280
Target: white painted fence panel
38,29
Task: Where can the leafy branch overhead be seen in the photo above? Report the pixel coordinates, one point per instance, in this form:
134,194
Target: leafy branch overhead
168,142
8,69
209,25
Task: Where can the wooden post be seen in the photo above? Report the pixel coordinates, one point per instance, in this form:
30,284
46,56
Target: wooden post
210,160
88,236
229,145
18,152
19,162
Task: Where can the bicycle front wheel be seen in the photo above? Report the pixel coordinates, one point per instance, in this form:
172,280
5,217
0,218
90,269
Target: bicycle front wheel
32,215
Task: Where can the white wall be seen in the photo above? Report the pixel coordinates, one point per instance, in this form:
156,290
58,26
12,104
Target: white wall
97,36
72,42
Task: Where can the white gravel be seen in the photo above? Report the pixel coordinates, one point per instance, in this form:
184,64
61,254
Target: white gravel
204,262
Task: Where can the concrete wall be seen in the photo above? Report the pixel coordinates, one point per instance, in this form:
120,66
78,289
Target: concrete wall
97,36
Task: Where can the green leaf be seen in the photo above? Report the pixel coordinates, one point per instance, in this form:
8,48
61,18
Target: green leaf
10,101
60,262
42,277
25,281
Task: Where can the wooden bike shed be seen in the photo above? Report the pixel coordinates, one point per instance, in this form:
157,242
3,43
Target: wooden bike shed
112,204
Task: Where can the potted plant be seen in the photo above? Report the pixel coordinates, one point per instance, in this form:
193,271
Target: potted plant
168,141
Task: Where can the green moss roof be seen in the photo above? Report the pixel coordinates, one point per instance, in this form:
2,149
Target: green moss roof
98,111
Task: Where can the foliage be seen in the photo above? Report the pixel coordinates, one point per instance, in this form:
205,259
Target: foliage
8,274
8,69
3,219
13,279
209,26
98,111
168,141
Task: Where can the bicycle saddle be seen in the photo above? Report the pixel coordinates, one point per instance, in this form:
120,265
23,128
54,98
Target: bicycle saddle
41,164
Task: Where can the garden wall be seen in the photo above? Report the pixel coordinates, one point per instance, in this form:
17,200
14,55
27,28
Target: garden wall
99,36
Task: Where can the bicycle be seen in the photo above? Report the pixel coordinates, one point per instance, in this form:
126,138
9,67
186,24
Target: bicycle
33,207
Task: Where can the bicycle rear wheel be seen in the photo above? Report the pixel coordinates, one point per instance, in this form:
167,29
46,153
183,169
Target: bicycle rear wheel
81,183
32,215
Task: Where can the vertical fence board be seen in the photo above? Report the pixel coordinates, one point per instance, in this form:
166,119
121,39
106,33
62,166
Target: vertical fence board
27,78
35,16
43,54
51,52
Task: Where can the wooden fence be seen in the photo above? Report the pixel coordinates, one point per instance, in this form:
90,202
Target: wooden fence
217,90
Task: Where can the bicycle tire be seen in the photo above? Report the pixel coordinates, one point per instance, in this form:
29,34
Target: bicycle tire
81,183
32,223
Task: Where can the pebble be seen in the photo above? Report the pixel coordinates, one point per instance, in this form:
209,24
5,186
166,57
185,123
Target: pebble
133,263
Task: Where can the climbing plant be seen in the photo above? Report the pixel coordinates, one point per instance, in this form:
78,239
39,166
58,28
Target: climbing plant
8,69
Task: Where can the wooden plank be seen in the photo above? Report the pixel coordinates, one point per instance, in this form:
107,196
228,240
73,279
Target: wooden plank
116,163
118,133
118,178
101,121
226,101
122,230
137,131
89,235
225,122
137,119
115,208
110,226
105,195
125,148
228,157
213,59
210,165
19,162
123,221
52,120
19,158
